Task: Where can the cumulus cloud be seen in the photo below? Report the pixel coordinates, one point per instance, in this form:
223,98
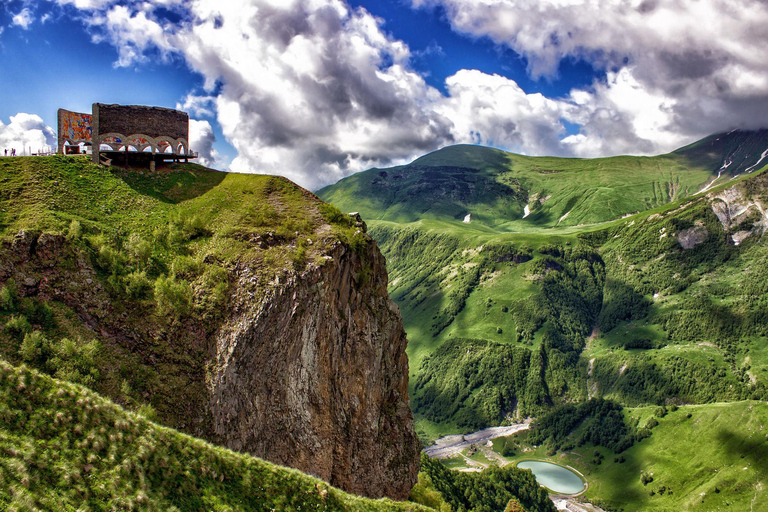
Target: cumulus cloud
674,69
493,110
23,19
315,90
26,131
201,139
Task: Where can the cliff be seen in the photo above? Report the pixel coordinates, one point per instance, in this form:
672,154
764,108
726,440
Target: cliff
240,309
322,357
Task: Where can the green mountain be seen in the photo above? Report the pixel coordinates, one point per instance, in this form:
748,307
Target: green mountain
504,192
239,309
633,279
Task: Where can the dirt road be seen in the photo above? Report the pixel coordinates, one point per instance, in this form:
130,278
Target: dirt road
449,446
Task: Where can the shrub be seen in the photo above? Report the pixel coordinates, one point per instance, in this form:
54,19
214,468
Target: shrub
147,411
184,267
39,313
75,230
18,325
8,295
139,249
34,348
333,215
74,361
173,297
137,286
299,256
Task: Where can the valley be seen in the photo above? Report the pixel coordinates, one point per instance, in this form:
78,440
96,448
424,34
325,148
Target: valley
550,296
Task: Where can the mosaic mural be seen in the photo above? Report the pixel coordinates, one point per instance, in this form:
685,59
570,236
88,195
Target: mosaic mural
76,127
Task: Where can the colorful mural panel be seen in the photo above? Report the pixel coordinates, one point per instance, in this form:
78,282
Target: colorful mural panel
76,127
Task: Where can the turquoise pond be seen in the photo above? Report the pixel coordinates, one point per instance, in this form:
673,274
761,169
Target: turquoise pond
555,478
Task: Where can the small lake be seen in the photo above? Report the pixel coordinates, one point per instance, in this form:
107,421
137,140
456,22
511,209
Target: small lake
555,478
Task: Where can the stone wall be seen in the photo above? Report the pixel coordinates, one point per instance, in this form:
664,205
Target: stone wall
132,119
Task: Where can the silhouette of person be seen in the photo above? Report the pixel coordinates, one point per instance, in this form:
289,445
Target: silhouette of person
13,151
6,151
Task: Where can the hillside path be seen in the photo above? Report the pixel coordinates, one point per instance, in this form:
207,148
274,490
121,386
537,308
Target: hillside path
448,446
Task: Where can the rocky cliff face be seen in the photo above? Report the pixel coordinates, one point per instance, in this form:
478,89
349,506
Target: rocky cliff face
308,371
313,375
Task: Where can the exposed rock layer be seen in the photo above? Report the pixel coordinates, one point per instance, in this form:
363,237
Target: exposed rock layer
322,357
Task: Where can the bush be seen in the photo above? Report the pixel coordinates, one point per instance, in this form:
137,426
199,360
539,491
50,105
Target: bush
74,361
38,312
34,348
333,215
75,230
184,267
18,325
147,411
8,295
139,249
173,297
137,286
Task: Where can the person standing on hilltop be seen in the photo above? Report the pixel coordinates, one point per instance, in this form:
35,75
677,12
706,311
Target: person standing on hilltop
6,151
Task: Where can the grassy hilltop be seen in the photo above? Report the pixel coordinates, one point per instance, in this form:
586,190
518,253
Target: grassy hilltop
162,246
64,447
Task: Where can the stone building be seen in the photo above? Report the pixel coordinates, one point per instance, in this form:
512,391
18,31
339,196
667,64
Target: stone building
128,134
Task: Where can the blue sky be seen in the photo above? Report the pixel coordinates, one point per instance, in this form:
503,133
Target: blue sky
318,89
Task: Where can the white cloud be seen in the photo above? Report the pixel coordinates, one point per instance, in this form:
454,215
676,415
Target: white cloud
674,69
26,131
201,139
315,90
201,106
493,110
133,33
23,19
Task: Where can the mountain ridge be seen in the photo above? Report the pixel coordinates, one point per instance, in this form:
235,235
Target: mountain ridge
506,192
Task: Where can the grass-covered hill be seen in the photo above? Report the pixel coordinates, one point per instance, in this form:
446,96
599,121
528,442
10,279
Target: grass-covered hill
505,192
111,284
126,273
155,289
63,447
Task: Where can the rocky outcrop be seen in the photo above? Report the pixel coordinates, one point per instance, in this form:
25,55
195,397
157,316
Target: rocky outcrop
688,238
308,370
740,213
313,375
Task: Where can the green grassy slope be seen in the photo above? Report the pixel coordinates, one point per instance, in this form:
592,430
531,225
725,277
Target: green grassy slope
613,308
162,245
494,187
63,447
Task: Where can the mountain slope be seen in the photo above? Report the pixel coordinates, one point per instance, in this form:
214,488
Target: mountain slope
495,187
240,308
66,448
578,311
